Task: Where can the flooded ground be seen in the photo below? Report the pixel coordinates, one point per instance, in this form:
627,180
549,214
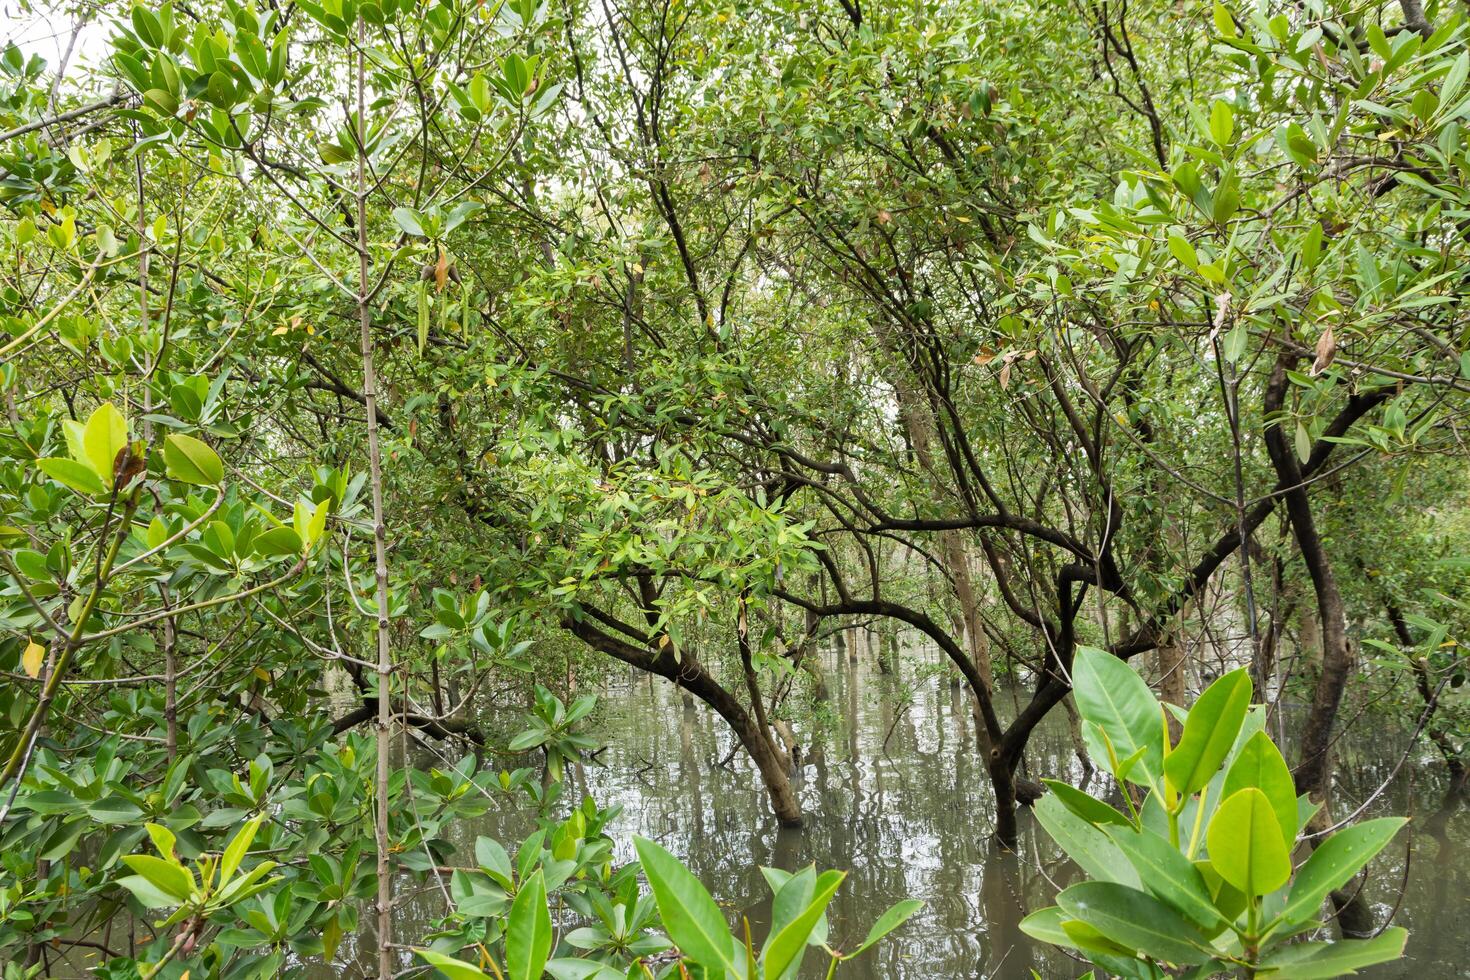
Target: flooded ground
897,797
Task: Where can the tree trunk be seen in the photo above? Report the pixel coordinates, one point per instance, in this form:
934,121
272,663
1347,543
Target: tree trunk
1003,782
1170,658
1313,769
689,674
1313,773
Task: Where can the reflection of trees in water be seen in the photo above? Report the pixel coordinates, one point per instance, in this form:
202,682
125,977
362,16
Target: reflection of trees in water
914,820
1424,872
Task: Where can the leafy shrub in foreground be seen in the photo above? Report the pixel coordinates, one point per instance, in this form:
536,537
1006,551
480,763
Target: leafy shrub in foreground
1198,881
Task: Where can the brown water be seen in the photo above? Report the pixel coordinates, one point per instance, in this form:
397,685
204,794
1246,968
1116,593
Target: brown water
897,796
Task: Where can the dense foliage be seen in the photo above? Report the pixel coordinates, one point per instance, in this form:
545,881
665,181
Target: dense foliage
378,371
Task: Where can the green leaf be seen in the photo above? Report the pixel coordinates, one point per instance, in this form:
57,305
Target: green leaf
1233,345
1209,732
149,895
1226,202
1333,863
1245,843
190,460
1093,851
409,221
72,475
1222,122
569,969
1224,23
493,860
782,950
172,879
789,900
691,918
221,90
528,931
164,103
1168,875
1260,764
1183,251
163,839
423,317
113,809
277,541
1086,806
896,915
147,26
103,437
449,966
235,851
1046,925
1090,939
334,153
1136,920
1112,696
1323,961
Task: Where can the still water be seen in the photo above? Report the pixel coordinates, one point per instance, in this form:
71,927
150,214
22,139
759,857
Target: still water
896,795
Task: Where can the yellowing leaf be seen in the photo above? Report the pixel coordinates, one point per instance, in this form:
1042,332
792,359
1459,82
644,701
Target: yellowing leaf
103,437
31,659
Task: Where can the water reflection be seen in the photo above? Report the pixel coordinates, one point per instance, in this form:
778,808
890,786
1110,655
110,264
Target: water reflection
895,793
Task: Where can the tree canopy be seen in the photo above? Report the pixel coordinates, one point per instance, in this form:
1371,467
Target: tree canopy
366,363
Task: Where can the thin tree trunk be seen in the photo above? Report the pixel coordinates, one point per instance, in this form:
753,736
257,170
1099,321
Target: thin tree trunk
380,535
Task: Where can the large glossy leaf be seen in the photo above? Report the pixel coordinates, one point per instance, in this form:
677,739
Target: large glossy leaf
172,879
691,918
191,460
1259,764
1245,843
783,950
790,893
149,895
1084,843
1086,806
72,475
1112,696
1046,925
103,437
1136,920
1334,862
1209,732
1322,961
528,931
1090,939
1168,875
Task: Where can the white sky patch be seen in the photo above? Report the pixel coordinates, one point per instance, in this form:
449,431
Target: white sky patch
49,33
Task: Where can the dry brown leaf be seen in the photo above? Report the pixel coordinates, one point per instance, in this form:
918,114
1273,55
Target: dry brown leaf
441,271
1326,351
